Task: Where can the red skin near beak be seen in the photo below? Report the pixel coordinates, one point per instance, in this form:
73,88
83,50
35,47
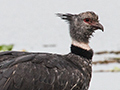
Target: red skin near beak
94,24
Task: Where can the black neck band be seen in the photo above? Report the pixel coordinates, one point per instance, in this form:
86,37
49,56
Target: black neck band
82,52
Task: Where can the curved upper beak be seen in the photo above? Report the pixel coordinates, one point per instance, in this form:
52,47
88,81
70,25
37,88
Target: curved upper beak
97,25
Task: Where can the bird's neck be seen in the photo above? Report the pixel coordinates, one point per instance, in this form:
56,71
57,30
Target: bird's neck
81,49
81,45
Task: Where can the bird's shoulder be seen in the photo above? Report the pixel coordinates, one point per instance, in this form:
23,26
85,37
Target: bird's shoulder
11,58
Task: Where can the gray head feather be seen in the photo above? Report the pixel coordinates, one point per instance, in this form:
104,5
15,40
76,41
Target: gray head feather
82,25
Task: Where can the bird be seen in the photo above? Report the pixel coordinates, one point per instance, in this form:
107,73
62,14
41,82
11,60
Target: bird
48,71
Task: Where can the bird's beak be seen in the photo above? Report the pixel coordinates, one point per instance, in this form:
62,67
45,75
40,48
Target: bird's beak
97,25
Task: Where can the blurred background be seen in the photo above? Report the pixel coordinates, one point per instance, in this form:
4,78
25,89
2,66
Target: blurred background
32,25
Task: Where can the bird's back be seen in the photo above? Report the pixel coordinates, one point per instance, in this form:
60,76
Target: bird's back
43,71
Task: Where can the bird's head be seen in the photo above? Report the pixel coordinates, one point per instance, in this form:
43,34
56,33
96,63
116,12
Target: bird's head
82,25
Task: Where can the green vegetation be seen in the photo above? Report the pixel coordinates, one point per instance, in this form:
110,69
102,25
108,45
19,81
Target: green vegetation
108,52
110,60
115,69
6,47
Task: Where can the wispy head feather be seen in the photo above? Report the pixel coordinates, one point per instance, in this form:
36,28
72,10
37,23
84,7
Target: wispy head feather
66,16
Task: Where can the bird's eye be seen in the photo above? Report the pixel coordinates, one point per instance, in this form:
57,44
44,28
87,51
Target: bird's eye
86,19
